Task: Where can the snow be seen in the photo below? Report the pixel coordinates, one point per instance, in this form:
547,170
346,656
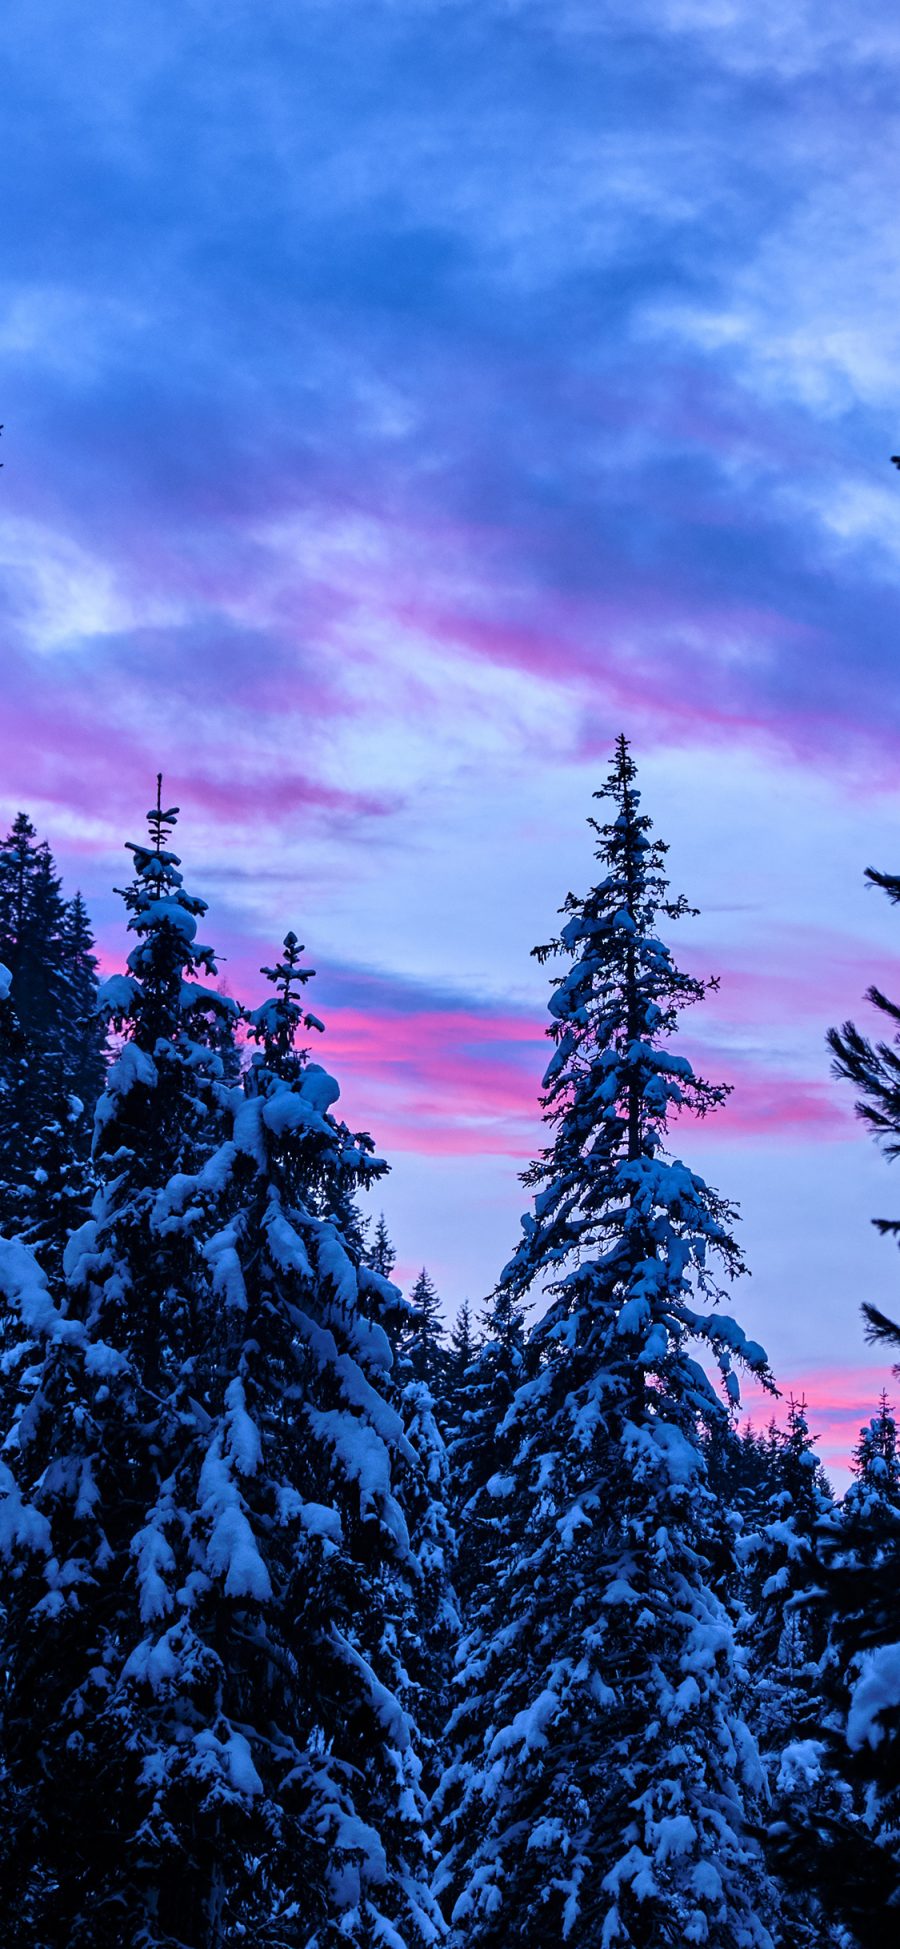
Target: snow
319,1520
231,1551
337,1266
364,1459
20,1522
24,1285
153,1554
389,1710
319,1088
154,1664
528,1730
242,1435
167,912
132,1068
117,995
801,1765
673,1835
876,1690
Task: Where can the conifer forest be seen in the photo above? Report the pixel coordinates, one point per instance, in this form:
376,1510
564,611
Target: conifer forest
329,1622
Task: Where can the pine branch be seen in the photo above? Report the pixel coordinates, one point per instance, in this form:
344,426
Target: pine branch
879,1329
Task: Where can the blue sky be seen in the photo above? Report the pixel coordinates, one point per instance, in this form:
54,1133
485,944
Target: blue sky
400,400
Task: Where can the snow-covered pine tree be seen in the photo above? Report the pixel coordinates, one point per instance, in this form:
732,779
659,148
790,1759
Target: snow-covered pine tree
51,1077
423,1346
87,1453
784,1583
602,1783
424,1495
855,1866
278,1577
483,1443
783,1591
462,1347
864,1585
32,913
83,1031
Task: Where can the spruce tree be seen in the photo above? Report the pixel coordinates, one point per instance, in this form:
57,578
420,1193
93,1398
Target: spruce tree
433,1619
864,1579
381,1255
298,1487
783,1553
602,1787
784,1593
483,1443
83,1035
101,1431
51,1075
461,1351
422,1343
855,1867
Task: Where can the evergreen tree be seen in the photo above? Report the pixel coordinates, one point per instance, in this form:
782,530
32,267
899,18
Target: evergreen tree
88,1448
864,1579
462,1347
83,1029
458,1358
51,1075
483,1444
433,1616
856,1868
422,1345
788,1633
601,1791
381,1255
788,1637
299,1486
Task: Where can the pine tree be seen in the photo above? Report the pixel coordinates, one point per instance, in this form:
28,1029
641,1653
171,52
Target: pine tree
783,1590
864,1579
788,1637
602,1786
297,1517
460,1353
83,1029
381,1255
433,1617
483,1444
462,1347
422,1343
855,1865
88,1449
51,1077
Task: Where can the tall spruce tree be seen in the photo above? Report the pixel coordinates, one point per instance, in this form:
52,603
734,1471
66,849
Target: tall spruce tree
783,1553
603,1779
102,1429
300,1486
864,1584
52,1073
208,1565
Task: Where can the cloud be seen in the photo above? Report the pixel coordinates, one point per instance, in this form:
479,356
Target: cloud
403,400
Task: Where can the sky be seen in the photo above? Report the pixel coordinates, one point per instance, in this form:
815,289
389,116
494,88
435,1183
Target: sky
399,401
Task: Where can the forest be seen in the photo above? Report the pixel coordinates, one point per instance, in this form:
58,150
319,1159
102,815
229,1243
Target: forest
326,1623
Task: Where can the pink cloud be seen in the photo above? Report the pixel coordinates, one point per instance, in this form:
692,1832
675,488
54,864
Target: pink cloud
839,1401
